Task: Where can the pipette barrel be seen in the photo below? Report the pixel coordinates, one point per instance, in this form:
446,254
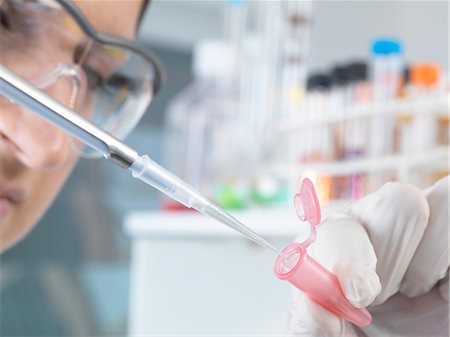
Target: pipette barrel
319,284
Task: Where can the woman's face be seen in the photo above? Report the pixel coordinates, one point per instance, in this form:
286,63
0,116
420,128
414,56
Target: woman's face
35,157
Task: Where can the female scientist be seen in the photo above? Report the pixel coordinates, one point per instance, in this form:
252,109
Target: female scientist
389,250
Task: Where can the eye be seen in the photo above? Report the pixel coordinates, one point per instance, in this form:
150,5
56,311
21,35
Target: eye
118,82
94,79
6,14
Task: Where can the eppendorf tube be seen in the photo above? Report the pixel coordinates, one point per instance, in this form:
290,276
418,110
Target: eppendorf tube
303,272
294,265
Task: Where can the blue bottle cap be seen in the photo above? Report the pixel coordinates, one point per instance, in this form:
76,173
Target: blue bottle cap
236,2
386,47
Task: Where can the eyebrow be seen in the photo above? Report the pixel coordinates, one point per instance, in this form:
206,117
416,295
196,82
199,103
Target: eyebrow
159,75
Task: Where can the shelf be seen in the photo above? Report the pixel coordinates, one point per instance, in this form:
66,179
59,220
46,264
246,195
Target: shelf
438,104
435,159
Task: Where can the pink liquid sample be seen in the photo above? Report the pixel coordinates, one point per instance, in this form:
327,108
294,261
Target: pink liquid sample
303,272
322,286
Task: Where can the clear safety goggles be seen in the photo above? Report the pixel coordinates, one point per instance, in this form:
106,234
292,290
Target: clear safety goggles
106,79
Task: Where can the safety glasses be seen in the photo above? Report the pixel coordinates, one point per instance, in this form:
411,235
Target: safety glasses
108,80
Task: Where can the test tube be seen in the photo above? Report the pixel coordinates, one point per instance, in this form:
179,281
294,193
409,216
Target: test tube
318,138
319,284
356,129
424,81
424,78
339,99
403,120
386,79
386,68
303,272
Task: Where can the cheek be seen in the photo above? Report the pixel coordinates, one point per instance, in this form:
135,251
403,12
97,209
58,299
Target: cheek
47,184
44,147
39,144
43,187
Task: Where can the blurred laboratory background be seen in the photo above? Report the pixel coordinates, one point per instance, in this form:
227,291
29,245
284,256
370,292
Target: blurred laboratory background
259,94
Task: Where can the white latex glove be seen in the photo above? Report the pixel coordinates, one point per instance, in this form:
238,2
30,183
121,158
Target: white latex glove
389,251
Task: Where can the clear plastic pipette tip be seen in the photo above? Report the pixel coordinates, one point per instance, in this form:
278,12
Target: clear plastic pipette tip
151,173
227,219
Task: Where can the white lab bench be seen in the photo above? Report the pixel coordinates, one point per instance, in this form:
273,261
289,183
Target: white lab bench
193,276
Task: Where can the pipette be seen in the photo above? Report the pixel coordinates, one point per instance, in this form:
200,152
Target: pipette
142,167
153,174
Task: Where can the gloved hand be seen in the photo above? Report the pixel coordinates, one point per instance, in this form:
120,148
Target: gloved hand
389,251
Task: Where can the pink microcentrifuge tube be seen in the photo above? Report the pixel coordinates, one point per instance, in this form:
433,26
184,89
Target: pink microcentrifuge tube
303,272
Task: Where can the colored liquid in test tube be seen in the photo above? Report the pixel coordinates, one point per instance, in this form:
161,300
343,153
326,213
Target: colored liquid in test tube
356,129
306,274
340,94
318,137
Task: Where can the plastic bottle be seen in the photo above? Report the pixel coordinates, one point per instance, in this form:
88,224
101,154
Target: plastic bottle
200,118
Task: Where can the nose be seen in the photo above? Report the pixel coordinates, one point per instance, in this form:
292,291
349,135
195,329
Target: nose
34,142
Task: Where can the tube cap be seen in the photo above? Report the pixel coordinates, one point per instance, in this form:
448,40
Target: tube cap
340,75
386,46
307,203
318,81
308,209
424,74
358,71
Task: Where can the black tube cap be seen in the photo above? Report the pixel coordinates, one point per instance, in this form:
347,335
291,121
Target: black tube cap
318,81
358,71
340,75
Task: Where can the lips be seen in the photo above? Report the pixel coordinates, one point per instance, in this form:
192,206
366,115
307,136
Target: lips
8,198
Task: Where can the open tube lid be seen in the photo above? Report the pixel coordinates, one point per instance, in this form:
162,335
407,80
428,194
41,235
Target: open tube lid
308,208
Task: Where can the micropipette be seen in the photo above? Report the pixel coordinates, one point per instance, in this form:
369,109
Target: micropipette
142,167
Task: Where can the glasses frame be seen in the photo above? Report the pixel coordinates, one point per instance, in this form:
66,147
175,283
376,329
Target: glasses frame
112,40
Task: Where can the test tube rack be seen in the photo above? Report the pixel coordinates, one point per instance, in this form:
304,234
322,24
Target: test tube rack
402,166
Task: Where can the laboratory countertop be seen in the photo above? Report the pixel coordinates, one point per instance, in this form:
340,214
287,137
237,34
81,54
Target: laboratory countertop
271,222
